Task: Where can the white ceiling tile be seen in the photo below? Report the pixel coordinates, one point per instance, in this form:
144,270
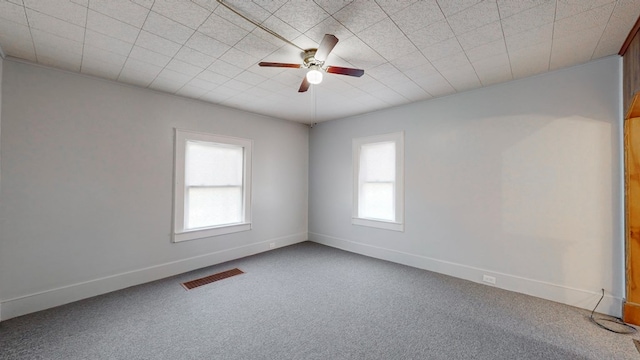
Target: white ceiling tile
270,5
383,71
494,75
421,71
303,42
411,91
450,7
418,15
274,86
194,57
183,12
224,68
328,26
16,40
387,40
432,34
255,46
509,7
359,15
480,36
123,10
61,61
62,9
111,27
393,6
176,76
250,78
207,45
167,28
100,69
487,51
496,61
567,8
239,58
55,26
54,45
576,49
157,44
95,54
301,14
217,96
278,26
474,17
148,56
453,61
542,34
12,12
213,77
530,60
222,30
389,96
248,8
136,69
234,84
462,79
146,3
333,6
410,61
356,52
572,25
191,91
202,84
183,67
163,84
529,19
210,5
398,80
442,49
108,43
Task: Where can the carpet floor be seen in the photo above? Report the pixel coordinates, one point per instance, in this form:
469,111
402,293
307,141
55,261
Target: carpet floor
309,301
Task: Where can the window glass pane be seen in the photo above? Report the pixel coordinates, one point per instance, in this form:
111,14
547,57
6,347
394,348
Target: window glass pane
378,162
210,164
212,206
377,201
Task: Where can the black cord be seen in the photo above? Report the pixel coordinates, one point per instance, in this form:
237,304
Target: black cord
629,329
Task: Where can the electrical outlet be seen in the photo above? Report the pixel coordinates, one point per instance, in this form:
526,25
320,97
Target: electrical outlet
272,245
489,279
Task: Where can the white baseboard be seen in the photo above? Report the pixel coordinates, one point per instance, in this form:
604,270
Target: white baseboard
581,298
26,304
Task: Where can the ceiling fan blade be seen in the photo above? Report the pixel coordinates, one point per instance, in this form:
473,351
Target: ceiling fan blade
305,85
277,64
345,71
327,44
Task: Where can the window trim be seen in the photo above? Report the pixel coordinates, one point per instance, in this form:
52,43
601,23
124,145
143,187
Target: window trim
179,233
398,139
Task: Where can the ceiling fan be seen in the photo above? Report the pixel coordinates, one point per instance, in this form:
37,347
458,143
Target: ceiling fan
313,59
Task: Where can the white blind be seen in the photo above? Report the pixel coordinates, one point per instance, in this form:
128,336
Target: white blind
376,178
213,184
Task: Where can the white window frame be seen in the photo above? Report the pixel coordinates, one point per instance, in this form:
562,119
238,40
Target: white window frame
398,139
179,232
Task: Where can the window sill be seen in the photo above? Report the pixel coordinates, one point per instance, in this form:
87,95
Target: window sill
208,232
387,225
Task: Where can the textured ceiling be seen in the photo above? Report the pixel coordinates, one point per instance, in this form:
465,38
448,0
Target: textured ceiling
410,50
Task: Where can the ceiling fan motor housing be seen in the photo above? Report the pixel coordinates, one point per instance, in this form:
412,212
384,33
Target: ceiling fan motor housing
309,58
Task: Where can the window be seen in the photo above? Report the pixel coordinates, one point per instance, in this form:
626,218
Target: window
378,181
212,185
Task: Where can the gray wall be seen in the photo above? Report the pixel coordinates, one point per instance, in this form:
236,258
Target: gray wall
520,181
86,197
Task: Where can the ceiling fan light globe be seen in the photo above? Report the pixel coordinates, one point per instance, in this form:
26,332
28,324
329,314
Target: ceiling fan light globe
314,76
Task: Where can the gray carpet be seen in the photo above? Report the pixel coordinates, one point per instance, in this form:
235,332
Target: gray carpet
308,301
